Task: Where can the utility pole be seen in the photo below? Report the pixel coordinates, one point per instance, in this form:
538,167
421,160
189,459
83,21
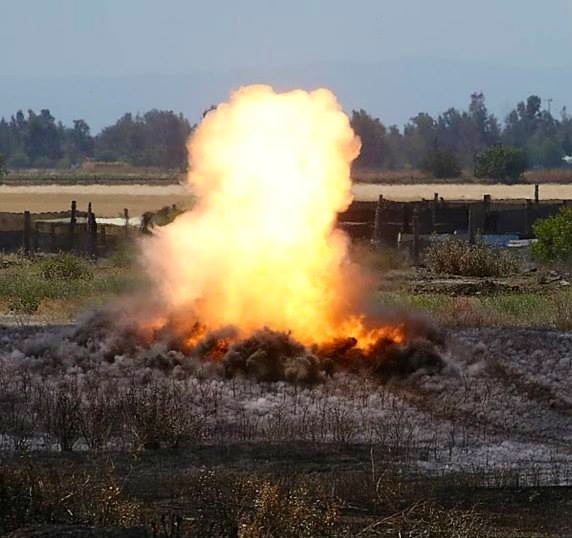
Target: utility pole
549,101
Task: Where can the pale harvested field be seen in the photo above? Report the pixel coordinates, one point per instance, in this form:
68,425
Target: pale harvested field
109,200
467,191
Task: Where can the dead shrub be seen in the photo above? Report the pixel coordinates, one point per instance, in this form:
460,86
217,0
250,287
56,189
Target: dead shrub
454,257
30,494
59,408
157,416
228,504
563,311
98,419
429,519
295,513
15,420
221,502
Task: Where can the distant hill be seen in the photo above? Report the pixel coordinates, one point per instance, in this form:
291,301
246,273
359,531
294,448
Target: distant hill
393,90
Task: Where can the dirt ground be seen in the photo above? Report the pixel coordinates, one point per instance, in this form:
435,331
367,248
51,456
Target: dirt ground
472,191
109,200
490,432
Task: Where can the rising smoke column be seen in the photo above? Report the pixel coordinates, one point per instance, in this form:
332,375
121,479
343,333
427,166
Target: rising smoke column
271,171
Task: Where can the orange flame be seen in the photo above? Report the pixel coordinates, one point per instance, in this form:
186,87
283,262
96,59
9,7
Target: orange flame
271,172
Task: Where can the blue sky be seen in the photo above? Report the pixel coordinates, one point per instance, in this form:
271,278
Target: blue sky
277,41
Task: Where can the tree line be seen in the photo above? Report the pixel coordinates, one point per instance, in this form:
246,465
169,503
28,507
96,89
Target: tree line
460,138
528,137
156,138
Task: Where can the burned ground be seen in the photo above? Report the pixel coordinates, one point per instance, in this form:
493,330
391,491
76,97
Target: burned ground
489,423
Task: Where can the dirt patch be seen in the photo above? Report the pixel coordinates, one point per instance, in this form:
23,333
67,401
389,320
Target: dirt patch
421,281
107,200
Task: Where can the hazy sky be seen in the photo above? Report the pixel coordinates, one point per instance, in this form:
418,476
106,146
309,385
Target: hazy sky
96,59
124,37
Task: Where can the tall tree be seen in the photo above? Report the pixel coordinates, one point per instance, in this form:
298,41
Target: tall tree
42,139
374,150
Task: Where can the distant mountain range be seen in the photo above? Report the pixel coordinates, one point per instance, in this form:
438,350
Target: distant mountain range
392,90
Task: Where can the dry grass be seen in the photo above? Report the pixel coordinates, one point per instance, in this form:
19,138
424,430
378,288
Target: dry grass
542,310
107,201
554,175
393,176
29,292
459,191
413,176
454,257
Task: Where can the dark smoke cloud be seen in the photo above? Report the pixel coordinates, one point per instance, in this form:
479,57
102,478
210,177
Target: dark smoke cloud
115,339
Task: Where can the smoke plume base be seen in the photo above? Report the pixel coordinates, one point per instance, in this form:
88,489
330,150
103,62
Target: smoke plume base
264,356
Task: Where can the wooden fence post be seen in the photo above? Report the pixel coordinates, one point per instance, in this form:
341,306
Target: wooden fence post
73,221
528,213
36,238
102,235
471,224
27,232
536,194
91,229
52,237
487,202
378,224
416,240
434,211
126,217
405,220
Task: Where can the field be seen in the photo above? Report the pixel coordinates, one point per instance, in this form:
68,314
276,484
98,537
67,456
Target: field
99,429
121,173
109,200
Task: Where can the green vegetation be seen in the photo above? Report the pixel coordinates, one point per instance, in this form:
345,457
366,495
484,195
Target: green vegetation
530,309
3,170
554,236
543,139
441,164
454,257
156,138
59,287
501,162
65,266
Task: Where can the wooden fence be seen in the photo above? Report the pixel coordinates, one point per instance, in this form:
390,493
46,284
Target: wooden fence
383,221
65,231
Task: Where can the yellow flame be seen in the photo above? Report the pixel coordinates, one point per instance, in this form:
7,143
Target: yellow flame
271,172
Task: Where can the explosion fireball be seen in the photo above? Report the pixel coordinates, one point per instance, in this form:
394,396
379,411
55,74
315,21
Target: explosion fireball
271,171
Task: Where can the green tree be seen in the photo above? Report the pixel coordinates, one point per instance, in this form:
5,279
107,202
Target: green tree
501,162
567,144
158,138
554,237
419,135
19,160
79,142
374,150
441,163
3,170
485,124
42,138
